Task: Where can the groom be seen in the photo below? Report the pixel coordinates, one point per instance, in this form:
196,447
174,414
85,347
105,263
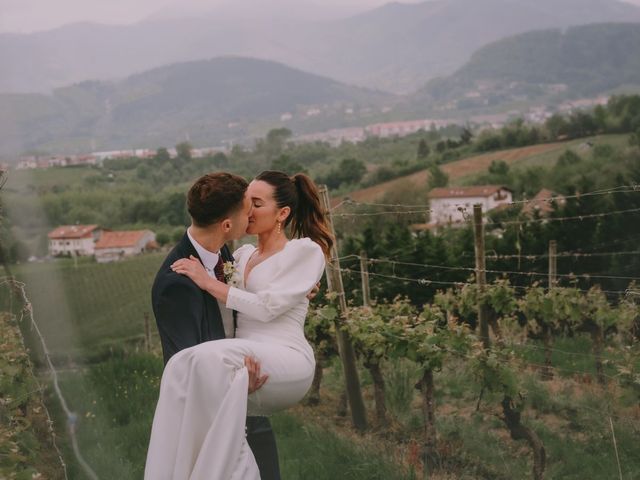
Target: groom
186,315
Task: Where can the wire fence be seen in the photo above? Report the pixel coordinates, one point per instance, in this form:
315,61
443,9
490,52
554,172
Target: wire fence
26,313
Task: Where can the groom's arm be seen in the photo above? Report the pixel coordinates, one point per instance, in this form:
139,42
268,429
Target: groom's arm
178,311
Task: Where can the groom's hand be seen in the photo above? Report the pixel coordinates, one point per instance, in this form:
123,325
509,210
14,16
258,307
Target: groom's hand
314,291
255,380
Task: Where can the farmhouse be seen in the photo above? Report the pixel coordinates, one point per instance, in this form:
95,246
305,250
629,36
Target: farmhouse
74,240
452,205
116,245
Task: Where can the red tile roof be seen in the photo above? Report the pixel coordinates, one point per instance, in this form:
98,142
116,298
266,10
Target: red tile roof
460,192
72,231
122,239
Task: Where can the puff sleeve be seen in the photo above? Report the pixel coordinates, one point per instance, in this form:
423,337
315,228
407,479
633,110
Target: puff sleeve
296,272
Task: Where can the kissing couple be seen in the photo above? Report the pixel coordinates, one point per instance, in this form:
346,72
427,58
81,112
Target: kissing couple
232,325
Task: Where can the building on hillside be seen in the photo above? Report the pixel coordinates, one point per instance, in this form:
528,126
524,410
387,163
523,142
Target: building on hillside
334,137
401,129
452,205
114,246
74,240
27,163
543,203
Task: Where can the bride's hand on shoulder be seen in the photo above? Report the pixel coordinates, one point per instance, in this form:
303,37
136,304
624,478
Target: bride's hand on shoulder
192,268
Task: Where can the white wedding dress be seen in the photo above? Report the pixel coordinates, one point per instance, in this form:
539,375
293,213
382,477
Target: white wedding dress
198,429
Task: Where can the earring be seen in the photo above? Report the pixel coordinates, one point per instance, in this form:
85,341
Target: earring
279,227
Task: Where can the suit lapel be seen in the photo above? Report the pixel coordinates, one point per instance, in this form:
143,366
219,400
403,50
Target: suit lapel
212,326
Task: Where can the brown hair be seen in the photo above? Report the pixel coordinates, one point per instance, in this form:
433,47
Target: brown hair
307,217
214,197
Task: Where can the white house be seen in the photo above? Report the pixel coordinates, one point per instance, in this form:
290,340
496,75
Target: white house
74,239
113,246
451,205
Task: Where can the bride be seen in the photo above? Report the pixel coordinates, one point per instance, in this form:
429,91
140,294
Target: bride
198,427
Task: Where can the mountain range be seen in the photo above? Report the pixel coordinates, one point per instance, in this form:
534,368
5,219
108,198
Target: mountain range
582,61
204,101
397,47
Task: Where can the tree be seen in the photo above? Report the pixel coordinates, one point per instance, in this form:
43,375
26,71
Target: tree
284,163
161,156
437,178
423,149
569,157
183,151
499,167
557,126
466,136
349,170
488,140
220,160
274,143
163,238
352,170
600,117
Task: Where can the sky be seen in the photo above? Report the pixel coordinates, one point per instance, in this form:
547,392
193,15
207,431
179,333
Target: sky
26,16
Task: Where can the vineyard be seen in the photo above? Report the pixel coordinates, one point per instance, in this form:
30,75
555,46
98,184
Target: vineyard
87,310
507,348
500,379
520,355
531,354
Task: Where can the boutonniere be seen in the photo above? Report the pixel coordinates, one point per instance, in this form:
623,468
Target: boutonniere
231,275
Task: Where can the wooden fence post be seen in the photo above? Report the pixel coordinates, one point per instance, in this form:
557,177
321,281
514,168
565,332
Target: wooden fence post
345,347
364,274
481,274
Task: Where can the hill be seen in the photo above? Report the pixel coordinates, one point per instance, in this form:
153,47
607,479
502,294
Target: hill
396,47
457,170
581,61
206,101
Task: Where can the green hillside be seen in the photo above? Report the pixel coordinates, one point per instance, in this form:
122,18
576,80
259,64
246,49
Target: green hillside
206,101
581,61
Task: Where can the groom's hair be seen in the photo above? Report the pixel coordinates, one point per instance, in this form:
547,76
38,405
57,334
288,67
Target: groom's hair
214,197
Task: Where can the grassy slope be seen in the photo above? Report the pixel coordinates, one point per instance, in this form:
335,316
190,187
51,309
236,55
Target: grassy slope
88,309
461,171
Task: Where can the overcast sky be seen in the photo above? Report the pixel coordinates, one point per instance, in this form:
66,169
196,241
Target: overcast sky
33,15
27,16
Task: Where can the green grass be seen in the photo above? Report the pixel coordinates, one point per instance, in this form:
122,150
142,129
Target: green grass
47,179
548,159
86,310
115,402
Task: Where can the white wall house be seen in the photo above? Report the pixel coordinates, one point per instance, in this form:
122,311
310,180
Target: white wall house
74,240
113,246
451,205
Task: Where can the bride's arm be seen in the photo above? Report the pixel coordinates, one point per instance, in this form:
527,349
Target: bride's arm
192,268
296,274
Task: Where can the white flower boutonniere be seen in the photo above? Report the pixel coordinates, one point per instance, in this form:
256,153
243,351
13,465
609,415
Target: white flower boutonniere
231,275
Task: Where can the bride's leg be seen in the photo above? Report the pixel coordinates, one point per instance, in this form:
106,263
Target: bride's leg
198,428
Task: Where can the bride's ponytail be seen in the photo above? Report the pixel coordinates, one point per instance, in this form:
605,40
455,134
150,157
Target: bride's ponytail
307,217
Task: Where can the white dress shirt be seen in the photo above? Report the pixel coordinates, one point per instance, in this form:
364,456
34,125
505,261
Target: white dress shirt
209,260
